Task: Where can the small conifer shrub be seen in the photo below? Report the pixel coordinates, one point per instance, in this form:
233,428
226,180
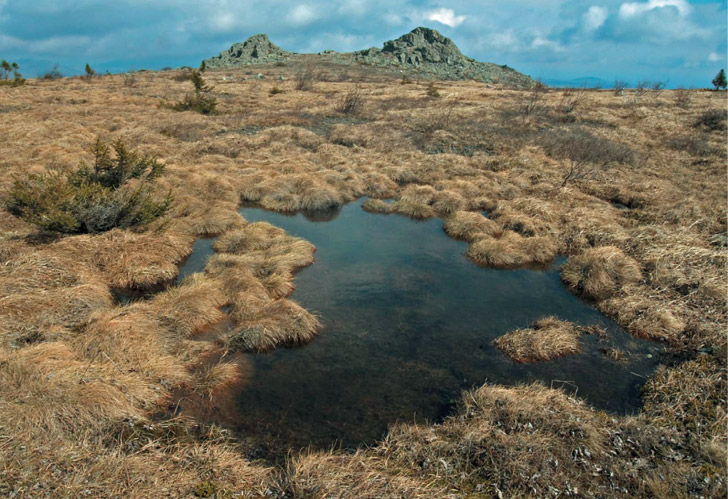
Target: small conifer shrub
115,191
201,100
720,80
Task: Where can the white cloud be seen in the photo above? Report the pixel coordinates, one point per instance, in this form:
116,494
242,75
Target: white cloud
713,57
301,15
595,17
632,9
446,17
223,22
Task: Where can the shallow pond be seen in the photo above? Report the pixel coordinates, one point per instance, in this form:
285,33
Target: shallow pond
409,323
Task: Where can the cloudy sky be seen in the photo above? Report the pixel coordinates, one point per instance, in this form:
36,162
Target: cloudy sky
682,42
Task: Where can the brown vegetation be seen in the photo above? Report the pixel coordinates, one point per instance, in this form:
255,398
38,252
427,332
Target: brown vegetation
548,339
601,272
86,383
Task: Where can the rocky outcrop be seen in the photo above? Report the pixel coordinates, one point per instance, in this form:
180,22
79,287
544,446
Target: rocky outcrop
257,49
429,52
423,46
421,51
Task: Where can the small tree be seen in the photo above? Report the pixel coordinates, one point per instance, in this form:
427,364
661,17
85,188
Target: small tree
89,72
433,91
201,100
203,66
720,81
8,68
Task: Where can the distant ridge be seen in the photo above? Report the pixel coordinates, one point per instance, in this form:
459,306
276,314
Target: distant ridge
422,50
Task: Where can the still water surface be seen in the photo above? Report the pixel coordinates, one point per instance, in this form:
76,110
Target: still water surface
409,323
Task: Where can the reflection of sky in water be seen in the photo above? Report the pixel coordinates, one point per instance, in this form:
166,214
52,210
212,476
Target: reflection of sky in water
408,324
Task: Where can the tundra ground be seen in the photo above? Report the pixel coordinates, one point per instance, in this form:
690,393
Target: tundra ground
630,187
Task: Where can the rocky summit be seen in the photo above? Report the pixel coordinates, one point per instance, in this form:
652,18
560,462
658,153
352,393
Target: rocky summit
257,49
422,51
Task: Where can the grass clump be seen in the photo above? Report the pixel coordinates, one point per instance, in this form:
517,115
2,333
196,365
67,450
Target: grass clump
512,250
376,206
547,339
116,191
200,100
599,273
469,226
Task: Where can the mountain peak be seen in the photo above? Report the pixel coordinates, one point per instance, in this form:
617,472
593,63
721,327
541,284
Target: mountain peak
424,45
258,49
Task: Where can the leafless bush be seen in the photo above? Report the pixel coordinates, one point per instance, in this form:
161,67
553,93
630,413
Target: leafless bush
657,86
534,103
182,75
352,102
695,144
304,79
619,87
640,89
129,79
586,153
683,97
712,119
572,98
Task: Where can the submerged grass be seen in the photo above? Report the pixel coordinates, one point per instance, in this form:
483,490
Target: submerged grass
82,379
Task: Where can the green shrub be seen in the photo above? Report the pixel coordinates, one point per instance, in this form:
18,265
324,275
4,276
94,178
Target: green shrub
720,80
201,100
89,72
8,68
116,191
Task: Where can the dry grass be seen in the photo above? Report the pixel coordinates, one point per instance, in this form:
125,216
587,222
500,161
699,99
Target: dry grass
599,273
512,250
547,339
82,376
470,226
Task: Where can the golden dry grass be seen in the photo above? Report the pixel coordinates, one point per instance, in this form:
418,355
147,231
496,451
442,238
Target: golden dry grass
648,241
601,272
547,339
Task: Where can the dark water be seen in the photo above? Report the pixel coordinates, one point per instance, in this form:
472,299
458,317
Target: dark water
409,323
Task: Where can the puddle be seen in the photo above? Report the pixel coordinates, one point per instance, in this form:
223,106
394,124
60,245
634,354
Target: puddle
409,323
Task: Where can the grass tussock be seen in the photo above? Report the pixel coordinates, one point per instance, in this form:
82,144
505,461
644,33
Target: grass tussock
547,339
470,226
512,250
376,206
280,323
599,273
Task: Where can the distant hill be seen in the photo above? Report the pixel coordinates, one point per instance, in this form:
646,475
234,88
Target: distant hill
423,50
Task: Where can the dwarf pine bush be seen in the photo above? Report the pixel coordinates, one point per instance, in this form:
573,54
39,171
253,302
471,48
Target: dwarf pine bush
116,191
201,100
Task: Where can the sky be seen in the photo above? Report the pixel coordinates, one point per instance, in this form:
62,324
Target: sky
677,42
